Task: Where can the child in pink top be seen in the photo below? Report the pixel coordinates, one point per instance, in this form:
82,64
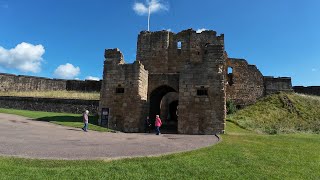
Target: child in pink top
158,124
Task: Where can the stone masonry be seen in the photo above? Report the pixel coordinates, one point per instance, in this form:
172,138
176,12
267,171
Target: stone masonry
182,77
188,63
310,90
11,82
186,78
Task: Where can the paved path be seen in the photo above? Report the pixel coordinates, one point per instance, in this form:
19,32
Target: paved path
23,137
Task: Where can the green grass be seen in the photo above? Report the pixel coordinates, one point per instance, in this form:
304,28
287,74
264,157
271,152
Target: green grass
241,155
281,113
54,94
65,119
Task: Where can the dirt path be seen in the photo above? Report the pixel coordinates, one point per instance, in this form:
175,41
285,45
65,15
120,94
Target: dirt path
23,137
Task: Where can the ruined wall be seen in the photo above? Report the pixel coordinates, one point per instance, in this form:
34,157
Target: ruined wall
124,91
202,95
10,82
273,85
152,50
85,86
191,57
159,51
311,90
157,80
75,106
194,67
192,47
245,85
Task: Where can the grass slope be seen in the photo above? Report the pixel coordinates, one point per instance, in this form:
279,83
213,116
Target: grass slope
65,119
281,113
241,155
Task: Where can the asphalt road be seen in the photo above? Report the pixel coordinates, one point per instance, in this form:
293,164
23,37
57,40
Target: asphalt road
23,137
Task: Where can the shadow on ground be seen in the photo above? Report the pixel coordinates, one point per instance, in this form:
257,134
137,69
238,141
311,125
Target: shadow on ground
92,119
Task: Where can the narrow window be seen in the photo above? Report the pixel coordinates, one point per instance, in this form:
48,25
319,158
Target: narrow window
119,90
179,45
202,91
230,76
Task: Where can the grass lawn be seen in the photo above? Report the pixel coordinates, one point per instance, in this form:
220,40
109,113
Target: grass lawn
65,119
242,154
54,94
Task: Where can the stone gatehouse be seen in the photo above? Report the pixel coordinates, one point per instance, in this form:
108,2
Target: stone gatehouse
186,78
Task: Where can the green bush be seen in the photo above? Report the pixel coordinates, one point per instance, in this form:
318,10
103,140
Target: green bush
231,107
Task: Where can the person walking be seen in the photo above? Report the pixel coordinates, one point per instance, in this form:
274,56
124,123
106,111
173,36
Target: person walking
85,120
158,124
147,125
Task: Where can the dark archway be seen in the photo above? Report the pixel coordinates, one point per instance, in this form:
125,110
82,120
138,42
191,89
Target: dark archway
155,104
172,121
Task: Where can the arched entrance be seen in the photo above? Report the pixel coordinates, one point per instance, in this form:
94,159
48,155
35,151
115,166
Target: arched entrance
164,102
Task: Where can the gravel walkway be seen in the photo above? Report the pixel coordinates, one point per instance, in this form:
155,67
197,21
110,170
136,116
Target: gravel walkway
23,137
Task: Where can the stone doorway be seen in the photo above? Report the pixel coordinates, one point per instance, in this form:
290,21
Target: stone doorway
164,102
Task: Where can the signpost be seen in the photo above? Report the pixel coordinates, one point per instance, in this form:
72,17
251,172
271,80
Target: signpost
105,116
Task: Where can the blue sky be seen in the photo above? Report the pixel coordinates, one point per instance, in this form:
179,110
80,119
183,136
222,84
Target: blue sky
67,38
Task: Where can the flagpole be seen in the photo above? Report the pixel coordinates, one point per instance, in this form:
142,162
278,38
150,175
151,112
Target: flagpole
149,18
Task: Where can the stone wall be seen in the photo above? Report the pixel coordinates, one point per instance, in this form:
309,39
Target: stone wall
10,82
245,84
84,86
193,68
202,95
159,51
158,80
273,85
124,91
74,106
310,90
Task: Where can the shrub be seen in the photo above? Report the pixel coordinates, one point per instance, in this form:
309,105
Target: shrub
231,107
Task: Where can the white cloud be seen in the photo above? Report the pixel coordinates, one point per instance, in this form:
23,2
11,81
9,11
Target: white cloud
155,6
92,78
314,69
24,57
67,71
200,30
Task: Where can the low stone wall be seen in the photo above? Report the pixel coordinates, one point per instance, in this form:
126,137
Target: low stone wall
11,82
75,106
274,85
311,90
84,86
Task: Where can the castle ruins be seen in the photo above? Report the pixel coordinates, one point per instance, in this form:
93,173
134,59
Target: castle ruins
186,78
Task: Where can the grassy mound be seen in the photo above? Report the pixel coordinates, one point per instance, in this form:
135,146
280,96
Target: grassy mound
281,113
